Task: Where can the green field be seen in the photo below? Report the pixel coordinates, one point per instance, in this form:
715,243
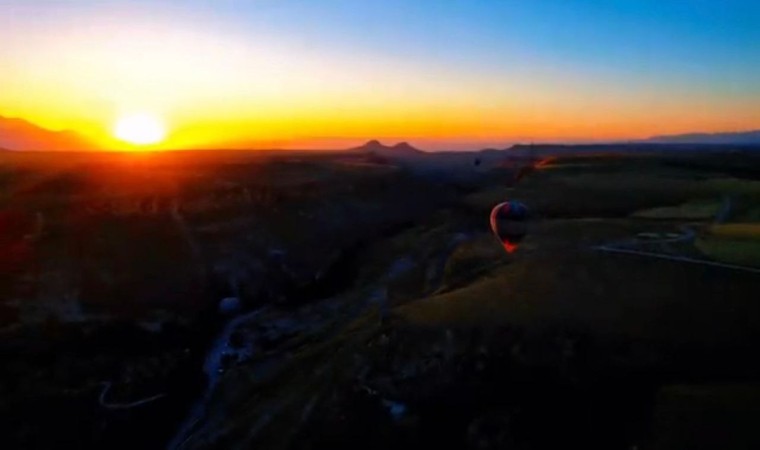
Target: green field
735,243
692,211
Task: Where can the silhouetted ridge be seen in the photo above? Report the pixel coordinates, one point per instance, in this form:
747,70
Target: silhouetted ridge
732,138
19,134
405,147
376,146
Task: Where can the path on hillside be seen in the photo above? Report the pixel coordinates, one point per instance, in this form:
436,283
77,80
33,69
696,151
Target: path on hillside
677,258
688,235
108,405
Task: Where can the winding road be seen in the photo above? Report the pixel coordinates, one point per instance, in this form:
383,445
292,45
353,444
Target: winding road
688,235
105,404
677,258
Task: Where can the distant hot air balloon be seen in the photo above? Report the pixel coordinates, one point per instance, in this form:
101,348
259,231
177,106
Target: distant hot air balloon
508,223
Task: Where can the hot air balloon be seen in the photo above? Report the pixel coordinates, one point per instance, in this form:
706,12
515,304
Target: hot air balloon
508,223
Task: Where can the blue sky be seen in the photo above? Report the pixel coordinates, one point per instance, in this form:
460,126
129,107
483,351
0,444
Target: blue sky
700,39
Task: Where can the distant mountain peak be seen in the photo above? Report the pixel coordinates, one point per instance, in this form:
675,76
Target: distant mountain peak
22,135
405,147
376,146
372,145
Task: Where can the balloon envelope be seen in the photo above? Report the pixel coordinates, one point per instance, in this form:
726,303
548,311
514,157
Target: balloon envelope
508,223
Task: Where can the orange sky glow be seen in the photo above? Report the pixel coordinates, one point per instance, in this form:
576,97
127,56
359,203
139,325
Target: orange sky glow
220,86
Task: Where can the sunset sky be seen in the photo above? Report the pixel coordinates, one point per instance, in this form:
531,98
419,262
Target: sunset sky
441,74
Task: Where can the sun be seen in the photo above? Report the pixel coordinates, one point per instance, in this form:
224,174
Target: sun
140,129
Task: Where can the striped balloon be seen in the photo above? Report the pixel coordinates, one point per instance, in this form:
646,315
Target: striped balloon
508,223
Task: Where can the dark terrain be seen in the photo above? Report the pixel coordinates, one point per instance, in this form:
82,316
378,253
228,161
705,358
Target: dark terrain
357,299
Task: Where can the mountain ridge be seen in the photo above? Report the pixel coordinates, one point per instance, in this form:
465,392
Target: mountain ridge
401,148
22,135
749,137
